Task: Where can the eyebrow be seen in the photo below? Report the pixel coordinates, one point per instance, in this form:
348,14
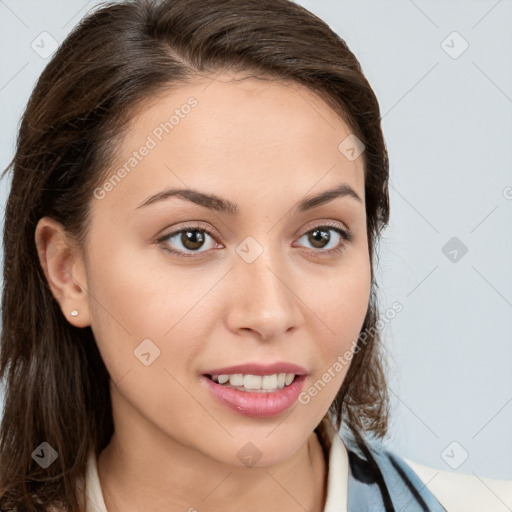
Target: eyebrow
219,204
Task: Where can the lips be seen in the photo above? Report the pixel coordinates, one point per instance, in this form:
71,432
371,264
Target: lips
267,403
258,369
255,404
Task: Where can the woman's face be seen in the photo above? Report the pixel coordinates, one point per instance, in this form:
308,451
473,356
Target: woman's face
254,278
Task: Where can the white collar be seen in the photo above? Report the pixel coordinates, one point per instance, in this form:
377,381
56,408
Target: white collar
337,474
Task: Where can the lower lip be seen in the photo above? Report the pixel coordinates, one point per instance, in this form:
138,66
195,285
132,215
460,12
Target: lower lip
253,404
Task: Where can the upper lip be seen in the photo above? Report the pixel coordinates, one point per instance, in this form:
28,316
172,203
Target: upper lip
259,369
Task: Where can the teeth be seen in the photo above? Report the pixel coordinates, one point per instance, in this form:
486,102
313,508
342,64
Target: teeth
251,381
289,378
255,382
270,381
237,379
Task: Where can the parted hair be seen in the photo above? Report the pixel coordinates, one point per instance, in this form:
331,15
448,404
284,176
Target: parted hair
56,386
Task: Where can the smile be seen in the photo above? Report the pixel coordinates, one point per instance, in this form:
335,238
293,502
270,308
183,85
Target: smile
248,382
256,403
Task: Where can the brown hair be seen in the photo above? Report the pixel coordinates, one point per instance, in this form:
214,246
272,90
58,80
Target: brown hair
57,386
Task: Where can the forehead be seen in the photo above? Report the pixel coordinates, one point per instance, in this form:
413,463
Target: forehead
229,131
227,102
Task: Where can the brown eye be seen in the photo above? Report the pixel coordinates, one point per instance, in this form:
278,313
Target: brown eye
192,240
187,241
322,239
319,238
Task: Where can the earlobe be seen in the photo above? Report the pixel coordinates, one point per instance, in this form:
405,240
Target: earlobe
62,264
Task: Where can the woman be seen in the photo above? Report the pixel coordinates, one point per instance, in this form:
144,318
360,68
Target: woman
197,192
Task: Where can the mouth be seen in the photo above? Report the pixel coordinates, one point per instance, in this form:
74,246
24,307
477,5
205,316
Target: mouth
254,383
254,390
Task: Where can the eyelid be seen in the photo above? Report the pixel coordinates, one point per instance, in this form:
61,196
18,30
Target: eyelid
345,234
188,225
324,223
194,225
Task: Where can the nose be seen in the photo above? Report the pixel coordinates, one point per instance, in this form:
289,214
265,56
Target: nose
263,298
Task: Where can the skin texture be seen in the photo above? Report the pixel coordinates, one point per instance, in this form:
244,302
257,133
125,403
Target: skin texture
264,145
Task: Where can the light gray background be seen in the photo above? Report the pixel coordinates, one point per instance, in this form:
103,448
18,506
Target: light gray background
447,120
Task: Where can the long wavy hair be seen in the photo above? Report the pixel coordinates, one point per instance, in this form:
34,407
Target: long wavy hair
56,384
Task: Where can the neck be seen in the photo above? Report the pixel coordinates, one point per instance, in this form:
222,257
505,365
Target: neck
139,470
181,483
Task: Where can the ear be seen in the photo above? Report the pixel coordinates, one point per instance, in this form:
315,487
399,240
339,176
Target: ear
62,262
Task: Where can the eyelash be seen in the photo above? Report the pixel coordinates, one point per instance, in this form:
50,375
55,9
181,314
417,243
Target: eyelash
344,234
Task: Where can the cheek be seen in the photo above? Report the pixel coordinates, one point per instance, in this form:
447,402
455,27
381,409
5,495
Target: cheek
139,307
340,309
149,333
342,302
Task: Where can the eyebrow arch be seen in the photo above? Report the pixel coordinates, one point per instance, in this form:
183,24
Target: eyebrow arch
214,202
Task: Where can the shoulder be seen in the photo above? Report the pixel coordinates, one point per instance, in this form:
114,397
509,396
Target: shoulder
459,492
379,479
401,481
